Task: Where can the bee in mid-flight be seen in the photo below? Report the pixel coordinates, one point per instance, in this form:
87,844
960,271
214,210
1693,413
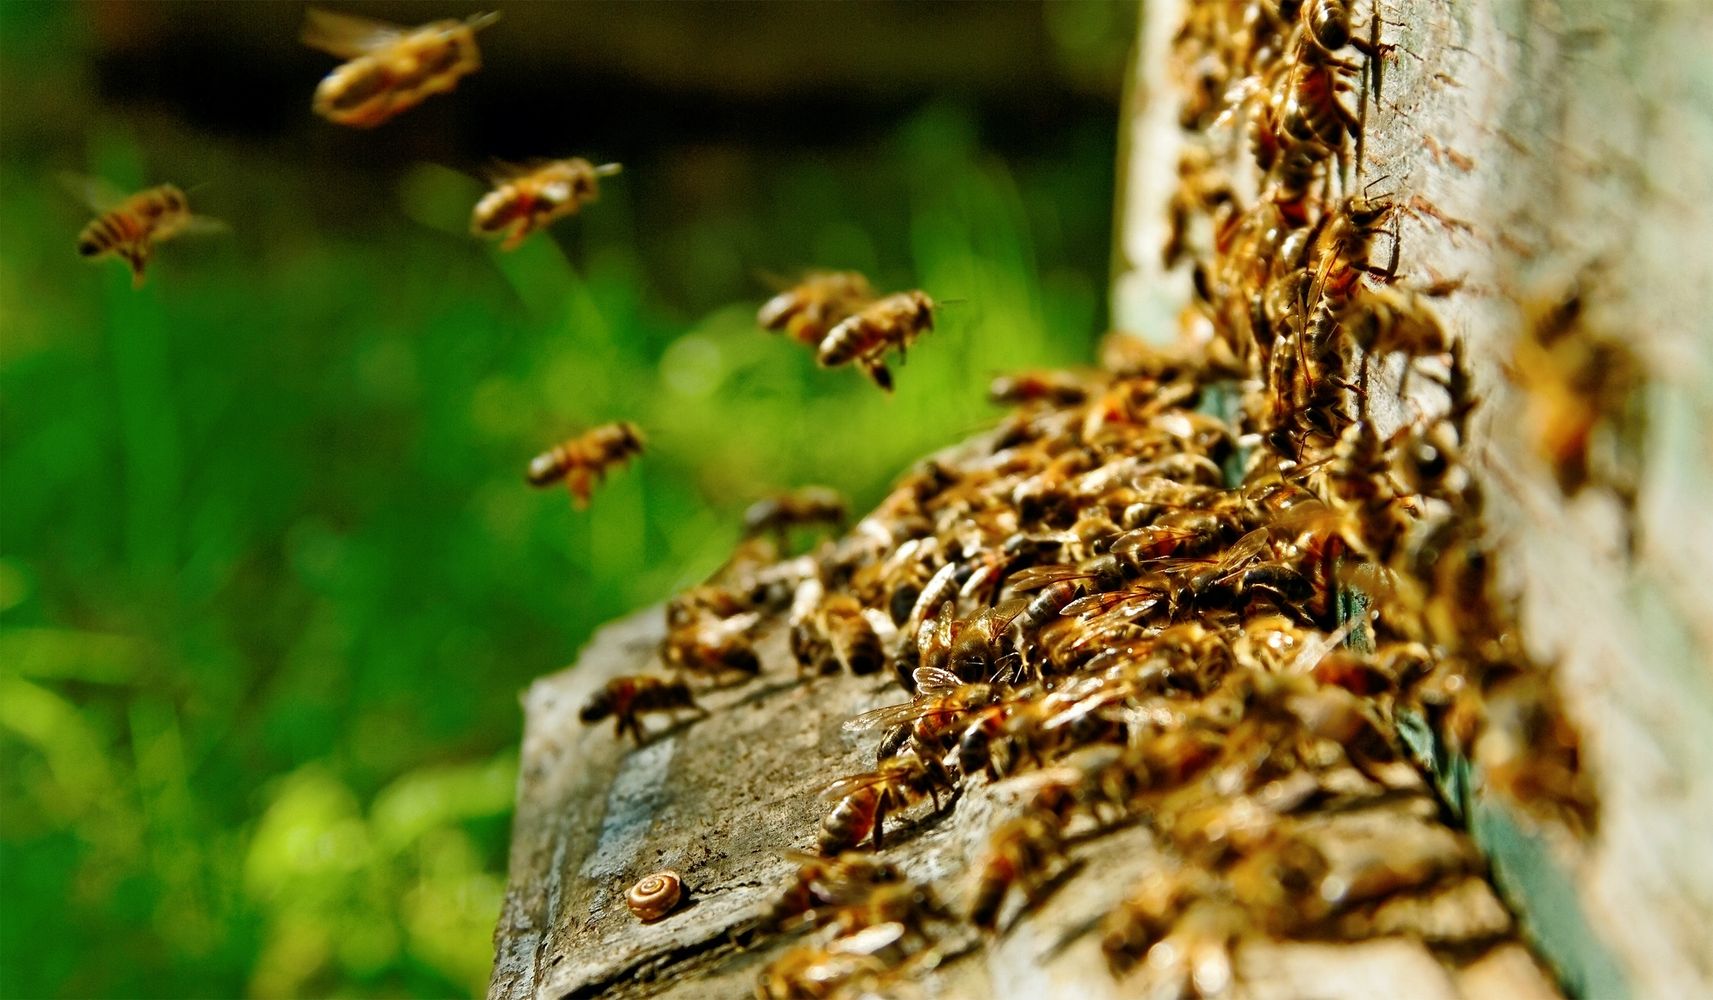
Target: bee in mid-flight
129,227
864,338
389,68
583,460
533,196
821,301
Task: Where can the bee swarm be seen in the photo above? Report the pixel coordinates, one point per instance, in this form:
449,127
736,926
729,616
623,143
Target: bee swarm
1106,702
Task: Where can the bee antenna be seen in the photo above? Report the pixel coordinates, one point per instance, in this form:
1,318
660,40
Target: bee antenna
476,22
608,169
951,302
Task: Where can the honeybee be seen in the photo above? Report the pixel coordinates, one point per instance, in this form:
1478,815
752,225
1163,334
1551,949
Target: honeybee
832,881
528,197
129,226
1057,388
854,965
708,644
928,721
584,460
390,69
808,505
1022,856
829,631
821,301
625,698
862,801
864,338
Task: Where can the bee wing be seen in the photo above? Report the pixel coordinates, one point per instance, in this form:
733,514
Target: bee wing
1101,605
854,783
94,192
1241,551
869,940
889,715
934,681
203,225
1145,538
346,35
1037,577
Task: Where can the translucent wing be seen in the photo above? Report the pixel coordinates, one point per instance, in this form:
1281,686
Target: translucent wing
845,787
890,715
348,36
935,681
1133,602
98,194
203,225
1037,577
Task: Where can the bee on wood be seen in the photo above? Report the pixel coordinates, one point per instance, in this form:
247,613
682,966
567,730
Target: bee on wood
1022,856
1057,388
821,301
930,721
389,69
583,461
895,321
808,505
129,227
713,646
857,964
827,882
862,801
626,698
528,197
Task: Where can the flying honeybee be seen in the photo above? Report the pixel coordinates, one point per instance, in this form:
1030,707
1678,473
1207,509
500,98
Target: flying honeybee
864,338
818,303
389,68
582,460
129,226
532,196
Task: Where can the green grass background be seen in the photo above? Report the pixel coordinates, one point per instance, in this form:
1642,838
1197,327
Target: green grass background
270,581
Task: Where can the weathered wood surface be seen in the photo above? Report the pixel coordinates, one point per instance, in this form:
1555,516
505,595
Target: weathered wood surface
1556,144
718,798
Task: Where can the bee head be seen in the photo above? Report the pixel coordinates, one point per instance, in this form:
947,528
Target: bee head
598,707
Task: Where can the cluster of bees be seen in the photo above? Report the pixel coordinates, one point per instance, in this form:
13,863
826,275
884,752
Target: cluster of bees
1193,591
388,70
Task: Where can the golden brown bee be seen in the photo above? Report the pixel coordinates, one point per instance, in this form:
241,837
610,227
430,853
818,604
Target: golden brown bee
821,301
1058,388
864,338
710,645
390,69
808,505
863,801
929,721
853,965
823,882
129,227
1577,384
625,698
1022,856
528,197
584,460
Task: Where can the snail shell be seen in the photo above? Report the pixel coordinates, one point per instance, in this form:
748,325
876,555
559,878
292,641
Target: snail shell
655,896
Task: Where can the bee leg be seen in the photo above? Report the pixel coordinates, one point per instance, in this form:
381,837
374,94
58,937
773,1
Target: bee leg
879,820
577,481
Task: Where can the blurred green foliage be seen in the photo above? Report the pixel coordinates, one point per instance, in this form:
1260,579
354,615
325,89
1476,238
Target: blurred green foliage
271,582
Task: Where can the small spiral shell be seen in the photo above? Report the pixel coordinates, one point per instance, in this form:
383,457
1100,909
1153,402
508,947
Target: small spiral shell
655,896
